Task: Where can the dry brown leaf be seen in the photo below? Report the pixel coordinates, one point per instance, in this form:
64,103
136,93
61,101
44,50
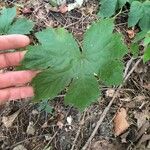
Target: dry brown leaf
131,33
26,10
120,122
63,9
110,92
9,120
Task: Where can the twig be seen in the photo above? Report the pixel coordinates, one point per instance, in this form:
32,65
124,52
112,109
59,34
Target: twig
79,129
133,68
127,67
46,147
108,107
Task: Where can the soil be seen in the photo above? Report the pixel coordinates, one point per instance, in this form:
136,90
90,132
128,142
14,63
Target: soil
55,131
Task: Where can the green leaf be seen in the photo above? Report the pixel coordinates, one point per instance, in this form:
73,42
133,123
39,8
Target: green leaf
134,48
48,109
101,46
146,56
145,20
49,83
135,14
112,73
121,3
109,7
53,3
21,26
140,12
146,41
57,49
64,63
7,16
140,36
82,92
9,24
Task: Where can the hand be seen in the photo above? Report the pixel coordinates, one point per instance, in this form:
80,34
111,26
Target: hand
13,84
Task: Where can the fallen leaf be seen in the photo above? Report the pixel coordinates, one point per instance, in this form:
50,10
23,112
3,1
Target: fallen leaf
120,122
110,92
131,33
63,9
26,10
30,129
9,120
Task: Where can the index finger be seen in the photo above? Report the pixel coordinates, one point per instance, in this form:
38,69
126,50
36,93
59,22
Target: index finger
13,41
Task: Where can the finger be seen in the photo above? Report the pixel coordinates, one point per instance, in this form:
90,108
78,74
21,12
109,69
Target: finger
16,78
15,93
11,59
13,41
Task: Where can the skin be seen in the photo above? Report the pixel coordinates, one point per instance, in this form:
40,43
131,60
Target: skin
13,84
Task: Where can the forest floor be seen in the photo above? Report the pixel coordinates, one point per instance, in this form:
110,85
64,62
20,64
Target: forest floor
66,128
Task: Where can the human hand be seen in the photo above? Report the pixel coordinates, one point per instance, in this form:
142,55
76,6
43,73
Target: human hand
13,84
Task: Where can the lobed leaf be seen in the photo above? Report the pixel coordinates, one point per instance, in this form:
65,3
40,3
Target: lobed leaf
9,24
7,15
140,13
49,83
109,7
135,14
82,92
21,26
57,49
63,63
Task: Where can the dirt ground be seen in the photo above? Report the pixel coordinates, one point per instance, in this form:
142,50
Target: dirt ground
67,128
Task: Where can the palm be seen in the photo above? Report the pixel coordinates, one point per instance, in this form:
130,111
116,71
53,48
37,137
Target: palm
13,84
